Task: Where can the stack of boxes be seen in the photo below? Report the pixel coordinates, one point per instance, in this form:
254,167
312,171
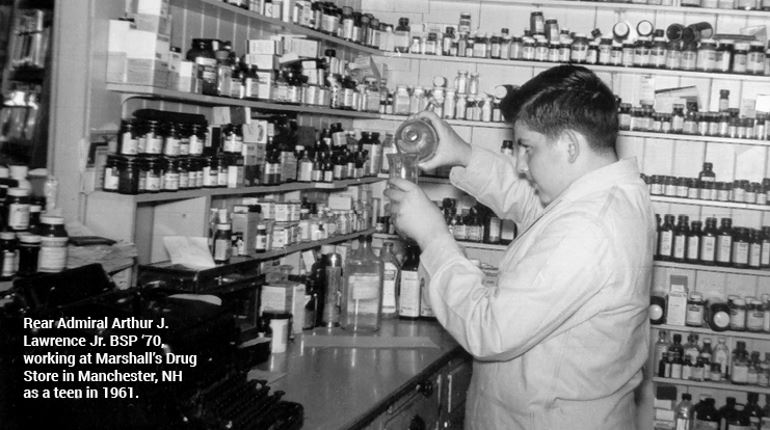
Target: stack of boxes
139,50
665,401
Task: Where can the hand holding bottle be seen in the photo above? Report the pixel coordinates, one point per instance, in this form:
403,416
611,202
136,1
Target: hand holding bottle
452,150
413,214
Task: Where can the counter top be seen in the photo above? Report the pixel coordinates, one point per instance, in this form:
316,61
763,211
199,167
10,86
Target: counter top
345,388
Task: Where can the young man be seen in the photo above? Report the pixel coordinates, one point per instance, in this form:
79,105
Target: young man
560,341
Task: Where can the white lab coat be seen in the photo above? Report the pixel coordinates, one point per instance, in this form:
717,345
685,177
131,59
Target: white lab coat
559,343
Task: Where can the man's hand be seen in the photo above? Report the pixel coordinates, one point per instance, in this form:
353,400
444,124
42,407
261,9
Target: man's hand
413,214
452,149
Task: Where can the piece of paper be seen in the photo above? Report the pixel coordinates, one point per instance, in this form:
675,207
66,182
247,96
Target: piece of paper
191,252
337,341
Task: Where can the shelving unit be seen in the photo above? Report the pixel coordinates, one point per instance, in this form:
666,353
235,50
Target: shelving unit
713,385
594,67
241,191
466,244
147,91
229,12
707,331
710,203
719,269
621,7
298,247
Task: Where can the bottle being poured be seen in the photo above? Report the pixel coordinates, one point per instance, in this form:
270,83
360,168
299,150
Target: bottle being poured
417,136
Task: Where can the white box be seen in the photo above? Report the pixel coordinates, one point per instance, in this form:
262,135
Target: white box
153,7
117,41
676,302
262,61
264,46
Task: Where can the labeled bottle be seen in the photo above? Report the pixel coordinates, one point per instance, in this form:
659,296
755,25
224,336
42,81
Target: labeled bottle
409,288
684,413
724,243
739,369
390,277
708,249
681,232
666,238
693,242
53,244
362,290
706,415
222,243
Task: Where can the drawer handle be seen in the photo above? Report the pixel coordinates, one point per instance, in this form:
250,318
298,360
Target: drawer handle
426,388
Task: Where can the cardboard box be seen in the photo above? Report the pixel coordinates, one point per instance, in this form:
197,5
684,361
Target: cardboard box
117,40
285,297
304,47
186,77
255,131
146,59
264,46
676,302
262,61
158,24
152,7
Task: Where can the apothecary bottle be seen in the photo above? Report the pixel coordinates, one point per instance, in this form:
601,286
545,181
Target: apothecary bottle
708,246
362,290
666,238
693,242
390,276
53,244
680,238
724,243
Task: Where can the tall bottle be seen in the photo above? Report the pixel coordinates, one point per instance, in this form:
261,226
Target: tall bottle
706,416
753,410
727,413
683,411
666,238
362,298
390,276
661,346
722,356
409,290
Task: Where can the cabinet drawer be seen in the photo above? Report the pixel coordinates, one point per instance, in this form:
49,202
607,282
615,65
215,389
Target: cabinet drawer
458,379
416,411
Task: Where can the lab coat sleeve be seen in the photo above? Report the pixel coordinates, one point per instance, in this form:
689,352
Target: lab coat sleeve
536,297
493,180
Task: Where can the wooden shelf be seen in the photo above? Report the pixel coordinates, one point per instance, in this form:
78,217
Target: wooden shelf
714,385
457,122
704,268
204,100
710,203
309,245
594,67
694,137
261,189
229,12
475,245
620,7
707,331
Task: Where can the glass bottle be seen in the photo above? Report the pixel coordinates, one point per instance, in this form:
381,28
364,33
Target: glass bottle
739,370
752,409
390,276
691,350
706,415
724,243
693,242
666,238
684,412
681,232
362,299
409,288
661,346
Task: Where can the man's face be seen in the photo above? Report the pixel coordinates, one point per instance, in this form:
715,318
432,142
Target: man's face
541,160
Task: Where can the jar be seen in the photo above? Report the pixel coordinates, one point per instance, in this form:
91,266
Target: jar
689,57
754,315
153,174
579,48
184,173
658,53
740,58
755,248
719,316
674,56
111,176
128,175
755,62
53,244
616,56
642,50
171,140
127,138
537,22
677,119
527,49
541,50
197,139
605,51
657,310
656,185
153,139
29,249
695,310
724,57
706,58
18,203
624,116
737,314
738,191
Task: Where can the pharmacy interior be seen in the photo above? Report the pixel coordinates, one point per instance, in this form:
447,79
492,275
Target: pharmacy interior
224,161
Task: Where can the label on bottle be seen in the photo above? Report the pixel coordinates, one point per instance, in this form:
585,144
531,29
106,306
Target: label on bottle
694,316
9,264
739,375
171,181
737,318
389,279
724,248
708,249
53,254
409,295
676,371
18,216
171,148
705,425
196,145
221,249
153,144
740,252
666,239
128,144
693,246
152,182
680,244
755,252
461,232
111,181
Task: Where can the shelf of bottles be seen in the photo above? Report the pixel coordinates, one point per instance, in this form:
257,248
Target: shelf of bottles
695,137
620,6
309,245
455,122
465,243
705,268
709,203
713,385
205,100
225,8
708,331
594,67
262,189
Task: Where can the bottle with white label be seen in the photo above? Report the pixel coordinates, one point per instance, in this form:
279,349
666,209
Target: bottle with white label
724,245
362,290
222,243
409,290
666,238
390,275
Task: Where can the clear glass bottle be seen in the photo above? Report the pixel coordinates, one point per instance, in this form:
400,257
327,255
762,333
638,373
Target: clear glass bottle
722,356
362,290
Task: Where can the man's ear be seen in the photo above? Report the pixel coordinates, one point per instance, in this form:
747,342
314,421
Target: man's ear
573,143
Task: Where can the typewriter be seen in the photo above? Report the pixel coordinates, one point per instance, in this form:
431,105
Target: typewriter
215,394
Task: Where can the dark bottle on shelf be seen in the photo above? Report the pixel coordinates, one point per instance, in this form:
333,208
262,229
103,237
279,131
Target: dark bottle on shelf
680,238
706,415
740,248
724,243
708,242
692,254
727,413
666,238
752,410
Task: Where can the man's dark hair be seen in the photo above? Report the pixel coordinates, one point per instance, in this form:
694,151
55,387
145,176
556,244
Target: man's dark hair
563,98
